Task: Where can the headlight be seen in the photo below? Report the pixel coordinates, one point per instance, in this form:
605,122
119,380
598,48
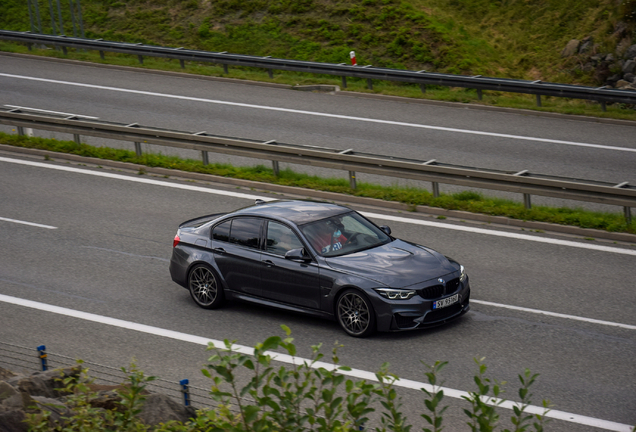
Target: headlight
463,276
395,294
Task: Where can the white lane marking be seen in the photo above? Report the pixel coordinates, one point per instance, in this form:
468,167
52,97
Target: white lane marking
136,179
554,314
319,114
27,223
50,112
502,234
368,214
284,358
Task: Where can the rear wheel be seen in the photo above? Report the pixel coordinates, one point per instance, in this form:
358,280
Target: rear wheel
204,287
355,314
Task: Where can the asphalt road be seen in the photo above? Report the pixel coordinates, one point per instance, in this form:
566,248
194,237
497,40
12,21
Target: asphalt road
512,140
109,251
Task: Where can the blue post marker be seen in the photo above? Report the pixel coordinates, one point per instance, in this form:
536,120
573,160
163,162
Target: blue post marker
42,354
186,392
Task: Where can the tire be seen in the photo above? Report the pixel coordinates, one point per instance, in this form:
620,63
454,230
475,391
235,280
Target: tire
204,287
355,313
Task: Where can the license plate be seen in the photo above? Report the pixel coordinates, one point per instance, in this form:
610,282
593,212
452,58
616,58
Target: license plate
446,302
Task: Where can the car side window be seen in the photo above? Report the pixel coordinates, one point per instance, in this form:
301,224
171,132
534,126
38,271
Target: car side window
246,232
221,232
281,238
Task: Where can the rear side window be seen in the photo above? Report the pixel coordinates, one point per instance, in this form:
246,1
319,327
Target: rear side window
246,232
221,232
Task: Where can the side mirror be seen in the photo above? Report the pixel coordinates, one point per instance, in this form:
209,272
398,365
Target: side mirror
386,229
297,255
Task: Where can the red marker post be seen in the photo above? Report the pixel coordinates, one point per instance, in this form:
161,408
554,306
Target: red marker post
352,54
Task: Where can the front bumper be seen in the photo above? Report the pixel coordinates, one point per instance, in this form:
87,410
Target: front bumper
417,312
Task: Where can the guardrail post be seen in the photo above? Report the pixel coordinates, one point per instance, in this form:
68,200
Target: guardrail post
182,63
480,94
76,138
352,174
538,100
603,106
101,55
435,185
275,166
423,88
344,82
435,189
204,157
186,391
526,201
20,130
270,73
52,18
59,14
369,84
628,214
64,50
225,70
138,149
42,356
526,197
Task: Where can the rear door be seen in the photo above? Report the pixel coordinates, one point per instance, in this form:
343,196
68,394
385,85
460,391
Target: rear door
236,247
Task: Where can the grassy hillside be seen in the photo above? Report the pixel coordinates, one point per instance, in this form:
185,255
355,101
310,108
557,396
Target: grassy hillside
503,38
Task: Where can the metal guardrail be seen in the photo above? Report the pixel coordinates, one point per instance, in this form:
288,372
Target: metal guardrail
423,78
621,194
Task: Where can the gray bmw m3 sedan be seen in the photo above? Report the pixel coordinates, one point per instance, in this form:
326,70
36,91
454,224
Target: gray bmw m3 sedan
320,259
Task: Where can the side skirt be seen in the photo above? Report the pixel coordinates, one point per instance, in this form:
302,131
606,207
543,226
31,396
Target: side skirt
233,295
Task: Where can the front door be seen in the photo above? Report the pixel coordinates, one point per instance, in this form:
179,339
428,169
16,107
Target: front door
285,280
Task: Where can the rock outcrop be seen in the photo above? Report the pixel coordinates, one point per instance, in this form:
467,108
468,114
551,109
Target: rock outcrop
613,69
21,395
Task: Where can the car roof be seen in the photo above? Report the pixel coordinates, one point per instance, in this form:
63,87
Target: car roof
298,212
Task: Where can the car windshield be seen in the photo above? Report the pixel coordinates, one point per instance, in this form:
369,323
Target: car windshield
343,234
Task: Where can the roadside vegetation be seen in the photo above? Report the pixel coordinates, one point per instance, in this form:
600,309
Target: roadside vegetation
497,38
255,395
467,201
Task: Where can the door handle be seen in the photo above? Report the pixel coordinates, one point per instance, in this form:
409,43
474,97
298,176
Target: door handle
219,250
269,263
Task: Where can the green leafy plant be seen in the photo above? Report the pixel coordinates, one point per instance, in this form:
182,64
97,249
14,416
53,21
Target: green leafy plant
79,413
392,418
132,399
482,413
435,396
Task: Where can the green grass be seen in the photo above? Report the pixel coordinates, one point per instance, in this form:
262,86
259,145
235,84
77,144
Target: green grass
466,201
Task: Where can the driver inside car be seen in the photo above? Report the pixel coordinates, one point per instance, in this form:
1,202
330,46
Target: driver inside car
329,237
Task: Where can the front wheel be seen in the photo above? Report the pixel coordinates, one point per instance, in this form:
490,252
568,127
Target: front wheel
355,314
204,287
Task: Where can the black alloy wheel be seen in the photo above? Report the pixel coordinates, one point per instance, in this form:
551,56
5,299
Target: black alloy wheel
204,287
355,314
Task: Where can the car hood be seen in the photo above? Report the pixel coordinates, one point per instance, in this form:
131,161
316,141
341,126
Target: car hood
398,264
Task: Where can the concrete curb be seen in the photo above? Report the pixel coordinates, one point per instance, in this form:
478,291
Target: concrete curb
317,87
334,89
336,197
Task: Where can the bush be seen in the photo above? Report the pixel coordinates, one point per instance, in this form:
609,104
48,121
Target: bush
307,396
